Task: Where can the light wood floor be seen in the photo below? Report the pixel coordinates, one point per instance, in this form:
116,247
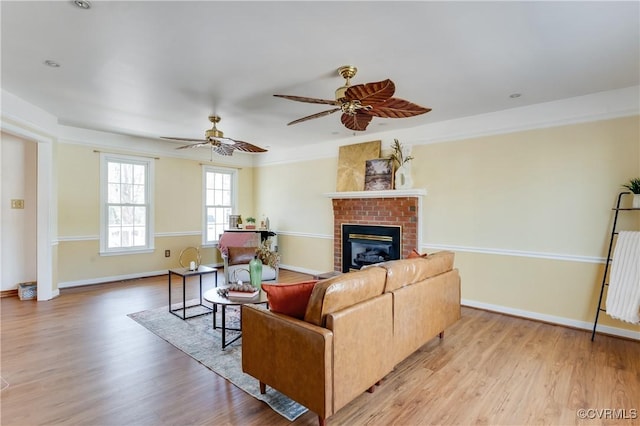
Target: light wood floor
79,360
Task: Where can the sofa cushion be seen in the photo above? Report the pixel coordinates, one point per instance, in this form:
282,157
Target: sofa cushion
409,271
241,255
289,299
334,294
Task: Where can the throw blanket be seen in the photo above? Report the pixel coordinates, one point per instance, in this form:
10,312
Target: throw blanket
238,239
623,297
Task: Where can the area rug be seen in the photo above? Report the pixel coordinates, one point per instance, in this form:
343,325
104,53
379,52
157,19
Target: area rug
196,338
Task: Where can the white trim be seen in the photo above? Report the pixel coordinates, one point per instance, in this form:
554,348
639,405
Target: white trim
395,193
306,235
46,202
518,253
114,278
127,252
301,270
79,238
178,234
551,319
156,235
46,214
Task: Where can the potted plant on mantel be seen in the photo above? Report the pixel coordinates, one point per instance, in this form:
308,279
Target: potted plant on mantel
251,223
403,170
634,186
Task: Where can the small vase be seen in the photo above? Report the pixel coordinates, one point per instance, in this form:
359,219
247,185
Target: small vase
636,201
403,178
255,272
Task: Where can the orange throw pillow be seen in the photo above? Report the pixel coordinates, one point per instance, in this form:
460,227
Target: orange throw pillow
289,299
414,253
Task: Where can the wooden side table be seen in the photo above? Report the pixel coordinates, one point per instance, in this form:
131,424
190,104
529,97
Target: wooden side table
185,273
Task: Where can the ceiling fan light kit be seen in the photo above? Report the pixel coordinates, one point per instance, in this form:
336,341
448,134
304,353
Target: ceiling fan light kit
360,103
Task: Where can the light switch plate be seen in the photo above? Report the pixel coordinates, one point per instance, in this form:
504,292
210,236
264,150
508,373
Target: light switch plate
17,204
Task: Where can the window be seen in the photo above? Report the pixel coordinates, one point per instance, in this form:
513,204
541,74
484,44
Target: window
127,204
219,201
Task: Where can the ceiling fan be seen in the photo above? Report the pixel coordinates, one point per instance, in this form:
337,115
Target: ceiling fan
219,144
360,103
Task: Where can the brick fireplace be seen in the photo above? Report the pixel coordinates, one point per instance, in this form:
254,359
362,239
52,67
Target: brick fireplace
387,208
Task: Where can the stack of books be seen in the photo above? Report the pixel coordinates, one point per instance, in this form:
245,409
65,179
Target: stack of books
243,294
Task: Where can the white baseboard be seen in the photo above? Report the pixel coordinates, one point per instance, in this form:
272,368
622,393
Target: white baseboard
567,322
114,278
301,270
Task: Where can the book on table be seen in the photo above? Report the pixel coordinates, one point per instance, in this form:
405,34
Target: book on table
243,294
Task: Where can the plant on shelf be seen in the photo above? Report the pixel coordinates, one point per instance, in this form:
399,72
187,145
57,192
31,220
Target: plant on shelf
251,223
633,185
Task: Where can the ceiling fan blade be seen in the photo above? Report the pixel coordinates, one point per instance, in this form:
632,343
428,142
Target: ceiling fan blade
371,93
309,100
397,108
183,139
316,115
194,145
358,121
223,149
246,147
239,145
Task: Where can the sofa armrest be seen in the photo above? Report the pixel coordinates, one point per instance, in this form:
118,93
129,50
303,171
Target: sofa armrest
276,349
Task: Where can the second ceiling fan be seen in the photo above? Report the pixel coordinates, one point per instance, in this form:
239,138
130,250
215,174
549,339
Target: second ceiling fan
216,140
360,103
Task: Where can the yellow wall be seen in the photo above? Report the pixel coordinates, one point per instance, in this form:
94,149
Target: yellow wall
293,197
178,217
528,213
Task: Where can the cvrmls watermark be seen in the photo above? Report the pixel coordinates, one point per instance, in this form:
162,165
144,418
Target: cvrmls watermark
607,413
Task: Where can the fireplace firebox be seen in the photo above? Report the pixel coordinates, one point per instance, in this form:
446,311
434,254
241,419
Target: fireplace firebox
368,244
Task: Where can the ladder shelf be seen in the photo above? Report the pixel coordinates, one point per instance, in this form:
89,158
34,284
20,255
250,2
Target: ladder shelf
614,232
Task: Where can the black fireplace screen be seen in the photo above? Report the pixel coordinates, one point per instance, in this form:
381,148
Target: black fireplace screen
368,244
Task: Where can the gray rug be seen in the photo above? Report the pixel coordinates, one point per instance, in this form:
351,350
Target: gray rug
196,338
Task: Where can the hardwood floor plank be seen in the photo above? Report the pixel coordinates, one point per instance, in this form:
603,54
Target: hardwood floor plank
79,360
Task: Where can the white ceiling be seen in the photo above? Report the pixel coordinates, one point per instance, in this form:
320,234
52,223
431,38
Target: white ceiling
160,68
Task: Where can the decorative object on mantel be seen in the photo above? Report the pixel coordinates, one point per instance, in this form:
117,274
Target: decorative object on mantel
378,174
634,186
351,164
403,178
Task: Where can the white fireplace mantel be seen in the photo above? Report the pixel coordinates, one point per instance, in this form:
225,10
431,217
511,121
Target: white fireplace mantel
394,193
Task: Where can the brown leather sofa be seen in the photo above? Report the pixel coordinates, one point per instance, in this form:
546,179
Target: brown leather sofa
356,328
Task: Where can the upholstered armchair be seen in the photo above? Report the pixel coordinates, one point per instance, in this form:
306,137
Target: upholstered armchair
236,265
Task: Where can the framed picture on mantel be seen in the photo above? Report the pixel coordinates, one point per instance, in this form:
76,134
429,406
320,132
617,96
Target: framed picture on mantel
378,174
352,163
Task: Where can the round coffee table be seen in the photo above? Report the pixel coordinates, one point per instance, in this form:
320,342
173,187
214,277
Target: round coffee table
213,297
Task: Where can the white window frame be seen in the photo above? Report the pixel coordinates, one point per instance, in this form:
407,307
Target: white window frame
148,162
234,198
